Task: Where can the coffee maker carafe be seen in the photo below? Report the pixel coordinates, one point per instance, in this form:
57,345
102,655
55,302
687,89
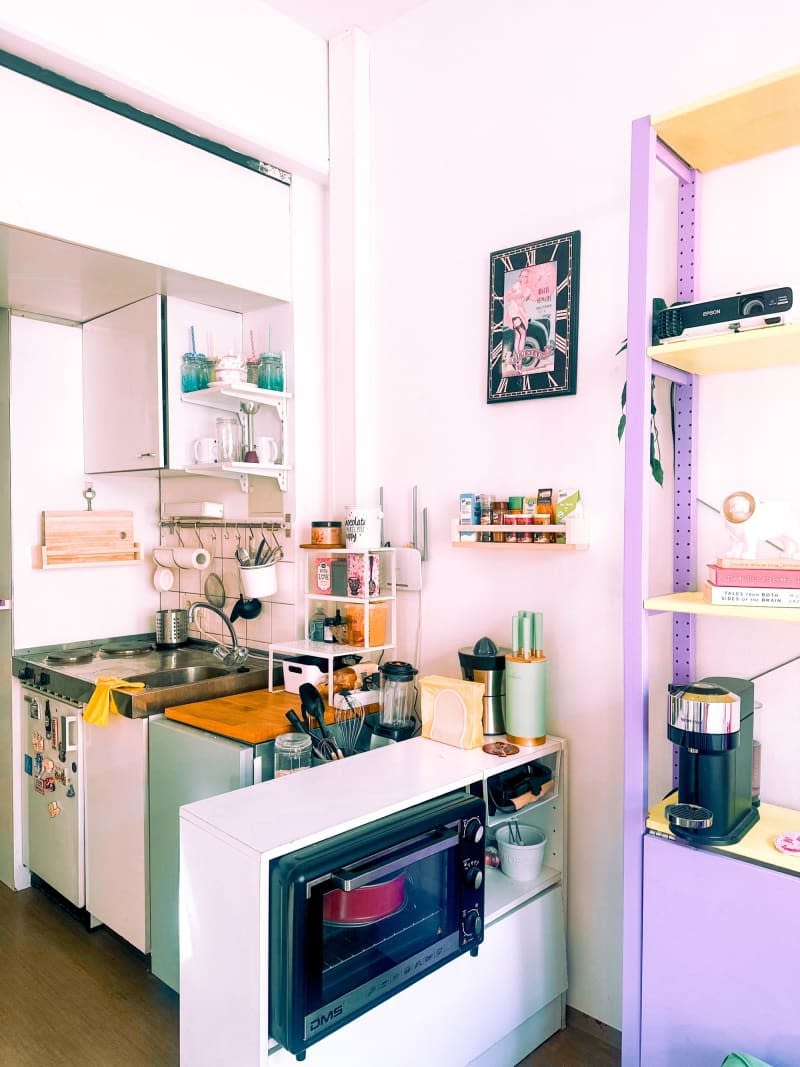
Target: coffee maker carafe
711,721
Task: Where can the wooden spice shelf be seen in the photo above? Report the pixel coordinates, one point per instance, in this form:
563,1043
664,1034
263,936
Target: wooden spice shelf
506,528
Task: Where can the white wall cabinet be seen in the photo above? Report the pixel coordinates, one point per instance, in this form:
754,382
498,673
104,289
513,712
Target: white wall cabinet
123,424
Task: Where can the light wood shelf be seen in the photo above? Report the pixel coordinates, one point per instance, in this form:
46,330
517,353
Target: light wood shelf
541,546
749,121
767,346
695,604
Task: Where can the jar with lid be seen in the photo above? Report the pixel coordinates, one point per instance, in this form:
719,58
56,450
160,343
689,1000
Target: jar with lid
292,753
498,519
192,372
270,371
486,503
325,532
514,510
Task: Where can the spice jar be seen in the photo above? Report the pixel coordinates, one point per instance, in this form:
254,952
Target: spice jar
498,518
486,505
525,521
546,536
514,511
292,753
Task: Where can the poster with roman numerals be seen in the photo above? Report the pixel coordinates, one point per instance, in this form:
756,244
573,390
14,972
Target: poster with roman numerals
533,320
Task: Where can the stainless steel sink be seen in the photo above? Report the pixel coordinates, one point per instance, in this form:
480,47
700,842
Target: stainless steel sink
178,676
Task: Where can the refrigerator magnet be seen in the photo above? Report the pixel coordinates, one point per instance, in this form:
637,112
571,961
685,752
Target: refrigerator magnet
28,764
53,809
70,790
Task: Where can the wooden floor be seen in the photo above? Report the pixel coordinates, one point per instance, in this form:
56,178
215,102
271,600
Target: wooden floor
74,998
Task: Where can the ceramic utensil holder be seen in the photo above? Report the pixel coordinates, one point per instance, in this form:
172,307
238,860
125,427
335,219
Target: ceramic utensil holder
258,582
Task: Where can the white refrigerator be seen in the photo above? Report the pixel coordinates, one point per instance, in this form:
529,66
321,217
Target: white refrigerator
53,847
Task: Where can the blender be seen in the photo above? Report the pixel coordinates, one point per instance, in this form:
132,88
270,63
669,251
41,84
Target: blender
398,698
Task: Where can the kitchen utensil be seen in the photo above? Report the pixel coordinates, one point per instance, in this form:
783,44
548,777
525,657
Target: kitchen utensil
258,581
350,722
242,557
172,627
313,705
214,590
261,552
303,727
521,851
229,440
365,904
292,753
245,608
267,449
204,450
486,663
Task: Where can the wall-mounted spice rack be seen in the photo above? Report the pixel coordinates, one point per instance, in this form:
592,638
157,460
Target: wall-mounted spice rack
515,531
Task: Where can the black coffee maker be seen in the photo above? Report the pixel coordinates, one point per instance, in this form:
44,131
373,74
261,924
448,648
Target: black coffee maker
712,723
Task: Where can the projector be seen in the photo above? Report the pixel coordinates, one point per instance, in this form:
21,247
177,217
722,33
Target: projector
765,307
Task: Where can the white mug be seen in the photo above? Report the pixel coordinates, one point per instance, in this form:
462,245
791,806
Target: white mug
266,449
204,450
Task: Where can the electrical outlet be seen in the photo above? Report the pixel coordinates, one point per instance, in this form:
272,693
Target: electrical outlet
409,569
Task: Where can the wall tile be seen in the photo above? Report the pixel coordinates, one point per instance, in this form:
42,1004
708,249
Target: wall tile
283,623
286,577
259,630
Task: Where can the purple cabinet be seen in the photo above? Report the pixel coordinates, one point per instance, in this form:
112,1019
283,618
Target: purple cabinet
720,961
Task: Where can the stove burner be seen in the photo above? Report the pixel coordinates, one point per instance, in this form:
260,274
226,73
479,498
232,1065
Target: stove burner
65,658
125,650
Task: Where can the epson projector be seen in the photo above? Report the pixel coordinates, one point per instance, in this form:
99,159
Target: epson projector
739,312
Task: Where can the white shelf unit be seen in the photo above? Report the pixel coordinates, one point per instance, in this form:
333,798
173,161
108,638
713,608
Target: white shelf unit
330,651
225,397
551,757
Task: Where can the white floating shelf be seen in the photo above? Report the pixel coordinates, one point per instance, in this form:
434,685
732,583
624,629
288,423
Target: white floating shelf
242,471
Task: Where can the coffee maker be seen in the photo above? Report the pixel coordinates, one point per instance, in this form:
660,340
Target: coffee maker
711,721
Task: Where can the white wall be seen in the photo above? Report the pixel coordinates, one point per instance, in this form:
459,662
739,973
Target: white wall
69,604
493,125
247,76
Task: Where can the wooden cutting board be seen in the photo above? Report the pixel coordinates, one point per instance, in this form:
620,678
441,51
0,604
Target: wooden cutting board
253,717
79,536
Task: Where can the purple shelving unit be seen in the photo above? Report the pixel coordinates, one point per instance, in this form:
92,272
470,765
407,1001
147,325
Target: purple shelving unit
699,927
646,153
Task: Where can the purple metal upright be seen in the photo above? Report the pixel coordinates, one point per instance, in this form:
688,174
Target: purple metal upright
646,151
636,526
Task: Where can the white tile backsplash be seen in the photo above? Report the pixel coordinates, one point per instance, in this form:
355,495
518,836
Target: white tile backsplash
283,623
286,577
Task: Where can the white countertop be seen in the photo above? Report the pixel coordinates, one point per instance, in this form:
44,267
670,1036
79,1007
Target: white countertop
288,813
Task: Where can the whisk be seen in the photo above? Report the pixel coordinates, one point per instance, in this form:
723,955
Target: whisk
350,722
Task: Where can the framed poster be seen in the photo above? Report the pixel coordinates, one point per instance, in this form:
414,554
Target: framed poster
533,320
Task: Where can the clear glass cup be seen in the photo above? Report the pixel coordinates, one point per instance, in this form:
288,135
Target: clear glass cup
292,753
229,440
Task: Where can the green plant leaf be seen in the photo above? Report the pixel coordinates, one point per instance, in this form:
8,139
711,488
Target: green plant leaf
624,394
621,427
657,469
622,347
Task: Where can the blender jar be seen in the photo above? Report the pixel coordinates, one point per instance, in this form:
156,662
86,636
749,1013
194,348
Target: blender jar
398,699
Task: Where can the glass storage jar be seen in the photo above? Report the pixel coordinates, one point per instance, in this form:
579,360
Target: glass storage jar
292,753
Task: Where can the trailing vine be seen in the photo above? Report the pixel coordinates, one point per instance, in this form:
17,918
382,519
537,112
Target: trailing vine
656,468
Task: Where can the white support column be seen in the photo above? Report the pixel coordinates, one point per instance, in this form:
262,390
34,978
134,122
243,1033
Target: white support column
352,399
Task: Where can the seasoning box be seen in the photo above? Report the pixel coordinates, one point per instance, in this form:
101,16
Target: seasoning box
567,501
469,514
544,507
363,575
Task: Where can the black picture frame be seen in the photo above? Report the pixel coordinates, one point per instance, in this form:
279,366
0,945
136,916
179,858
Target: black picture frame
533,320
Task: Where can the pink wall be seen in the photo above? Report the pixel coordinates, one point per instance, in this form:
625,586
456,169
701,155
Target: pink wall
493,125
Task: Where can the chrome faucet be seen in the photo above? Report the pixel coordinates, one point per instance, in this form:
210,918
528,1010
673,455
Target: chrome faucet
236,654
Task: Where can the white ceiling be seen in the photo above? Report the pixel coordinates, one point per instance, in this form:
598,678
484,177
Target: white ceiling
330,17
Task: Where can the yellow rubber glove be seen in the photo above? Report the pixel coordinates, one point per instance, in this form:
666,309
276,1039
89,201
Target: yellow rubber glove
100,704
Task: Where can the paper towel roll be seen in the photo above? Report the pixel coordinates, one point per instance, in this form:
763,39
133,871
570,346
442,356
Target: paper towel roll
526,700
187,558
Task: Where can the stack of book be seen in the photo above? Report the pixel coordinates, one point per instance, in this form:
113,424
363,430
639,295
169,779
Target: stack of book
768,583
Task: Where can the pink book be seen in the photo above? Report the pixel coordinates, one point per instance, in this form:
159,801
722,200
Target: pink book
754,577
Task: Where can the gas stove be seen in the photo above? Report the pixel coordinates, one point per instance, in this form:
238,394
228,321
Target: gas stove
68,672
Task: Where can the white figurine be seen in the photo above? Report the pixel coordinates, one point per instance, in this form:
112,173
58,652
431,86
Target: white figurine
750,521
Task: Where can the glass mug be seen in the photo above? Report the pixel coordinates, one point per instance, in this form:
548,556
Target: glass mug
229,440
266,449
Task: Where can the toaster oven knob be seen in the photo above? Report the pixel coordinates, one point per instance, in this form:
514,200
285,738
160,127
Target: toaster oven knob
473,831
473,923
473,877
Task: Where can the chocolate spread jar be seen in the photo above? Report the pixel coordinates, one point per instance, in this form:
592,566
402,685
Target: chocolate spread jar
328,534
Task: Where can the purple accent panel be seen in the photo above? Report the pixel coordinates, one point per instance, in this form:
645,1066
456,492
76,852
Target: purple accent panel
636,535
720,972
684,559
672,162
